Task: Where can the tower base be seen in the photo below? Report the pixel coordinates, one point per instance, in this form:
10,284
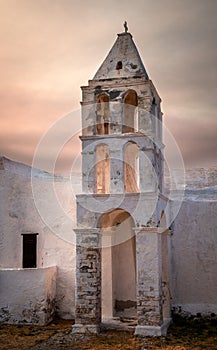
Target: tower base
153,331
85,329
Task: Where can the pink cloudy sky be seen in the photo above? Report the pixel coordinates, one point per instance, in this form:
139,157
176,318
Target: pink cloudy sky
49,48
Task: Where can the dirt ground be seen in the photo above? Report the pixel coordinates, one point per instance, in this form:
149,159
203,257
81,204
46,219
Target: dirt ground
194,334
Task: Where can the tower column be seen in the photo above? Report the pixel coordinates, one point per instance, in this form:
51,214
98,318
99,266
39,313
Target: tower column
88,281
148,177
88,171
116,112
107,279
149,283
116,169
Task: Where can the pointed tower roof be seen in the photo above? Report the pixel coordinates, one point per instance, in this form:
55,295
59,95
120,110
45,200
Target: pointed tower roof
123,60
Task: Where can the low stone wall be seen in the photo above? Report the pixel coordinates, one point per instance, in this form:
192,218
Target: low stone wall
27,296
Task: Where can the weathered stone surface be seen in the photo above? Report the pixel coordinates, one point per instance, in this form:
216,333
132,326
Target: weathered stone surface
149,276
28,296
88,280
125,52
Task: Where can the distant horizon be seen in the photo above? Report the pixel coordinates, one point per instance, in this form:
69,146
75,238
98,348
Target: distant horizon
79,172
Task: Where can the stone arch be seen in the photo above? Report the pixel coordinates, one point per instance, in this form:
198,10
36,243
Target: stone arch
102,168
118,264
131,167
119,65
130,118
102,114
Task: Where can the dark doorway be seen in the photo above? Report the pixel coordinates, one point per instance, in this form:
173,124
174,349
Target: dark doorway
30,250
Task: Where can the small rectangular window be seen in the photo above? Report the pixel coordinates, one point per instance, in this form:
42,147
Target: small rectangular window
29,250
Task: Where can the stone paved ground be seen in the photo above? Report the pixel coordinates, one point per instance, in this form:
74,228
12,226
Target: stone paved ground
183,335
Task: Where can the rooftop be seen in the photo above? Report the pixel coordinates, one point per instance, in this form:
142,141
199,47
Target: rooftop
122,61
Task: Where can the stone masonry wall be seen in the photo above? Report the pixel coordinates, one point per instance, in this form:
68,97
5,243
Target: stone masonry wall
88,278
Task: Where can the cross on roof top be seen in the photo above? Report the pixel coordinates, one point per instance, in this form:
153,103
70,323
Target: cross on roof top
125,27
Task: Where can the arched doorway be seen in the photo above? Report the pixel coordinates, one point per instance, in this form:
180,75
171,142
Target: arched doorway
118,265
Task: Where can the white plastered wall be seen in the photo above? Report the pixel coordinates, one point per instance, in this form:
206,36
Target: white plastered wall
194,258
55,244
28,295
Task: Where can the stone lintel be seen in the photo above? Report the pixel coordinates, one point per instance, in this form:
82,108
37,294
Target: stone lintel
153,331
87,231
115,136
148,230
85,329
119,83
145,195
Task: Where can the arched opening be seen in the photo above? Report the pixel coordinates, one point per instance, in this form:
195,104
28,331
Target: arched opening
102,114
102,169
130,108
119,65
131,167
118,265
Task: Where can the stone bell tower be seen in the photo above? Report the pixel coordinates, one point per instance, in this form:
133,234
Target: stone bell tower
122,264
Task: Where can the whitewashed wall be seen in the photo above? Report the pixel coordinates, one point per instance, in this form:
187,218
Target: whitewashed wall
19,214
28,295
194,257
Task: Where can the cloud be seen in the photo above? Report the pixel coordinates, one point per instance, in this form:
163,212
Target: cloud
196,140
49,48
